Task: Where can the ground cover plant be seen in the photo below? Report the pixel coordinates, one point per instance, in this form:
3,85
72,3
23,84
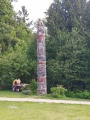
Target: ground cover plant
43,111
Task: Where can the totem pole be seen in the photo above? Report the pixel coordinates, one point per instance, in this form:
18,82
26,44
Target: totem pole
41,59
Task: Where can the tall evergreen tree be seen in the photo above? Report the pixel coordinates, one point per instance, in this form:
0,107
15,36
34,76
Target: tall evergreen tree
23,16
66,47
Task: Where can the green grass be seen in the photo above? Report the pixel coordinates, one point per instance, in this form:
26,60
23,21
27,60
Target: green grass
40,111
43,111
10,94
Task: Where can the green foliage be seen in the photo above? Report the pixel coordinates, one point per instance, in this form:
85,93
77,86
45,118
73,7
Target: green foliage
78,94
32,48
67,45
31,52
23,15
15,65
58,91
14,38
33,86
7,28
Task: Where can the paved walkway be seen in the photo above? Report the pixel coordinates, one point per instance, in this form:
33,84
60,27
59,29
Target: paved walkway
44,100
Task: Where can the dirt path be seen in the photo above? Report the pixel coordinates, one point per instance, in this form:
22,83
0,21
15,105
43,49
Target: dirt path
44,100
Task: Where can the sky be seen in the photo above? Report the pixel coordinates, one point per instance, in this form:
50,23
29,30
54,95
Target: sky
35,8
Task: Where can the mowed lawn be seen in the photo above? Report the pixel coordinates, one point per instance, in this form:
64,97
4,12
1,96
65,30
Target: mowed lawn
43,111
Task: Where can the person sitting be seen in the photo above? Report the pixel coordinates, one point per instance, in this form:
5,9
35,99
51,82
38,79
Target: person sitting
16,85
18,81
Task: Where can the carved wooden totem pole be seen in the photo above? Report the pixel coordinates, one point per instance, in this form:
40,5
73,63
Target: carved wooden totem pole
41,59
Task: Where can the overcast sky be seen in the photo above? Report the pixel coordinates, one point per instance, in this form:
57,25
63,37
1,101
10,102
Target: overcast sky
36,8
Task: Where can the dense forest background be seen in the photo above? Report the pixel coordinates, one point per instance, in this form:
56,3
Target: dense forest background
67,45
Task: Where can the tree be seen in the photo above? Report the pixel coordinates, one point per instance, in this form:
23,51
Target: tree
15,36
23,16
32,55
64,15
67,57
7,30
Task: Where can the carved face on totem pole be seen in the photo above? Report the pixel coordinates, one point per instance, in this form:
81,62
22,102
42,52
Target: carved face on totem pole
40,28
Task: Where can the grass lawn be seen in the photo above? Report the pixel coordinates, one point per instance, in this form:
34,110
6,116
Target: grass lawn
43,111
40,111
10,94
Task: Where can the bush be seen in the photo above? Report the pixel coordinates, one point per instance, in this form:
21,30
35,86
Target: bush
58,91
86,94
70,94
78,94
33,86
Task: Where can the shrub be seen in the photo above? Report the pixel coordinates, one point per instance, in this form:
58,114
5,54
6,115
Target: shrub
58,91
86,94
70,94
33,86
78,94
